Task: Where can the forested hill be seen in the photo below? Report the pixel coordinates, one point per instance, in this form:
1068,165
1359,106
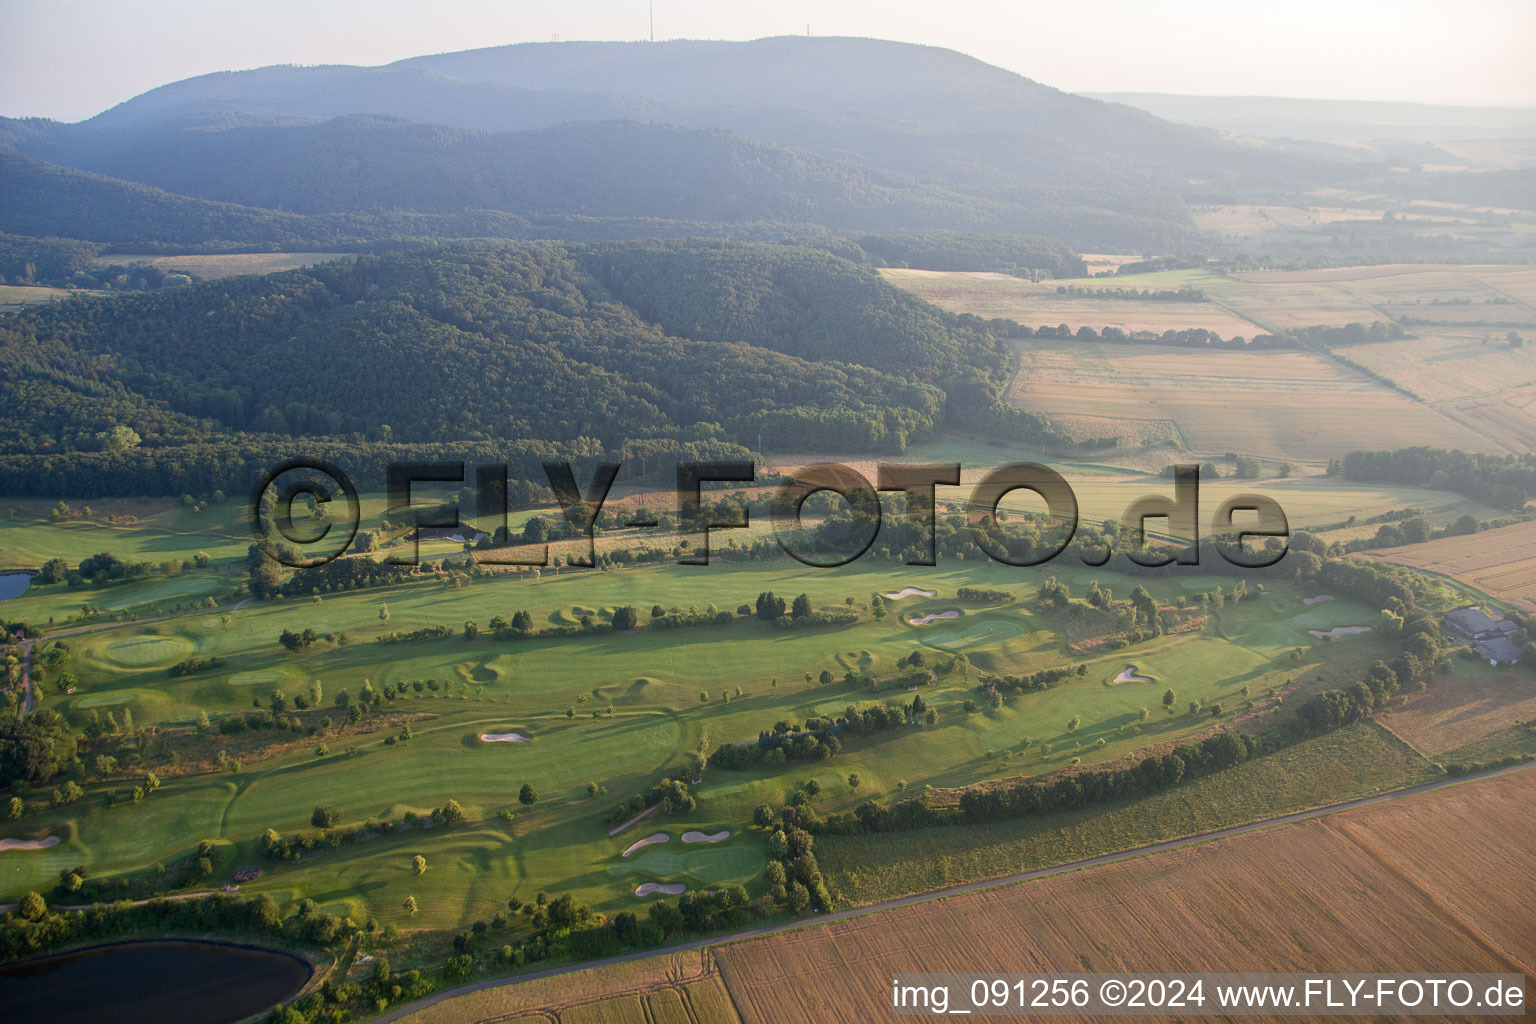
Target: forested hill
808,348
368,177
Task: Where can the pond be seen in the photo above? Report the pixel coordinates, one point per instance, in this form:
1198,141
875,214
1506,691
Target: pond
149,983
14,584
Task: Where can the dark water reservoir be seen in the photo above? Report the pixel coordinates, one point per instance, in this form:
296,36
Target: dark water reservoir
149,983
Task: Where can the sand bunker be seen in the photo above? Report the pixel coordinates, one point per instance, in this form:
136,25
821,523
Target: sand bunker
924,620
705,837
503,737
651,840
666,888
1319,599
1130,676
897,595
29,844
1338,631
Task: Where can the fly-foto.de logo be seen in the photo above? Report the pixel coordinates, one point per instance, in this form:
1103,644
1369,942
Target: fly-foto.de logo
1240,518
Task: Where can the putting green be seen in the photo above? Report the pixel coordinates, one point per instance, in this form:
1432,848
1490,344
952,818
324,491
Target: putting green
974,633
149,650
260,677
110,698
711,866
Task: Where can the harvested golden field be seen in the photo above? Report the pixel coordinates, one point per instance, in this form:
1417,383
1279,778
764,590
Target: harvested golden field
1471,375
1423,883
214,266
1464,708
1507,417
1246,302
675,988
1362,294
1501,563
1446,365
1017,299
1283,405
1244,220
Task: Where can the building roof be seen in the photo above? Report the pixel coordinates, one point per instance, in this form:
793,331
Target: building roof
1471,620
1499,649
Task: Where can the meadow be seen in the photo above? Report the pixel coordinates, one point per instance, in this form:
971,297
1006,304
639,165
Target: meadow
212,266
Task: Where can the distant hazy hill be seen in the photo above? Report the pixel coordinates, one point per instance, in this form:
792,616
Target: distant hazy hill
843,134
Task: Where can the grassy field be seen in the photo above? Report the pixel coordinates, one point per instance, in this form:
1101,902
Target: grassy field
1360,890
635,715
1354,762
1501,563
15,296
1464,709
214,266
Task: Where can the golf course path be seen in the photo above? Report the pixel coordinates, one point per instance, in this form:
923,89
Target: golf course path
939,894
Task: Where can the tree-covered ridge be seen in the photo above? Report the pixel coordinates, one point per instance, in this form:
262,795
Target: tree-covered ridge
688,342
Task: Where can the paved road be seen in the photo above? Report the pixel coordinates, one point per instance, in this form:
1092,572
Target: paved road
957,890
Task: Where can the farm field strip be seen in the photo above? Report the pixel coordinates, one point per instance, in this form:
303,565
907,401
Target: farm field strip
1276,405
1501,563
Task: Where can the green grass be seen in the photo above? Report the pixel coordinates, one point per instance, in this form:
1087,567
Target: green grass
652,680
1353,762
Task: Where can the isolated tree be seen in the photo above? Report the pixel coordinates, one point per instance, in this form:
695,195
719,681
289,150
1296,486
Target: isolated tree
1169,698
32,907
410,905
325,816
383,612
527,796
120,439
418,865
1074,722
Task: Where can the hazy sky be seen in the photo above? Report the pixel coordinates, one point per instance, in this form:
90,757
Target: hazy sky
69,59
